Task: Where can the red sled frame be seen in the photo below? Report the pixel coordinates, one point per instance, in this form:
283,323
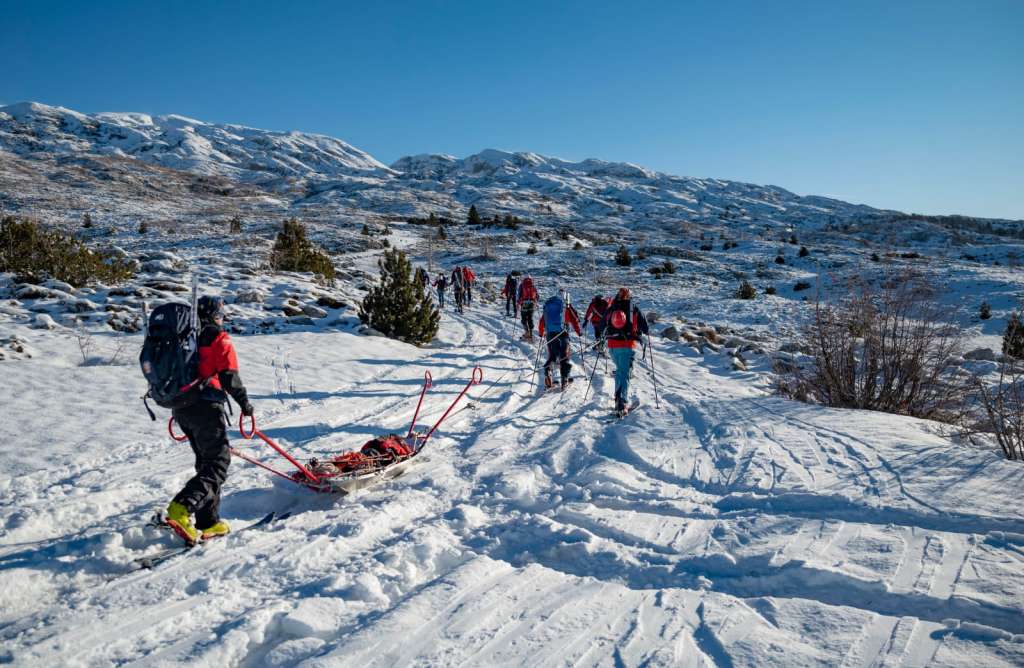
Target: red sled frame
346,482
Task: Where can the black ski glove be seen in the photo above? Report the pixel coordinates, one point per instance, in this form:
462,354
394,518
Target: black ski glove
247,409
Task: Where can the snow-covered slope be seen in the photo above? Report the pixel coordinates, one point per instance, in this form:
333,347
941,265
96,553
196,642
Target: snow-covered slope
719,524
727,527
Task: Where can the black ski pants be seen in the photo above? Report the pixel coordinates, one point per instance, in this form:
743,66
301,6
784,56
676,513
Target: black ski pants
206,427
526,313
558,353
511,308
459,299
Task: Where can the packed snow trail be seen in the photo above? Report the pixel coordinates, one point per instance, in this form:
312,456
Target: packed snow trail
728,528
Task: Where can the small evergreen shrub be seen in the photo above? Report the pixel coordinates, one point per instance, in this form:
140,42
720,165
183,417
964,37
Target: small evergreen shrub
398,307
366,230
549,242
780,260
985,312
746,291
770,290
86,221
294,252
803,252
577,246
802,285
1013,337
706,247
622,257
33,254
235,225
792,240
473,218
875,258
532,250
143,227
668,268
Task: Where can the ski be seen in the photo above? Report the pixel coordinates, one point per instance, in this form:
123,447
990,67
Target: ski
154,560
617,416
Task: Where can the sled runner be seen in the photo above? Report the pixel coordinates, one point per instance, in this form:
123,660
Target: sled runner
382,458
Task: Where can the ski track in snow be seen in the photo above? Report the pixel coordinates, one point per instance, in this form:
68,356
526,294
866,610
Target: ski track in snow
726,528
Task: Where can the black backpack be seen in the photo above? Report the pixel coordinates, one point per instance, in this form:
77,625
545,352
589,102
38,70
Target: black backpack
170,357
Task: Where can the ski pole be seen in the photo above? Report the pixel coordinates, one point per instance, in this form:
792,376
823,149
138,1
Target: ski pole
654,377
536,361
591,380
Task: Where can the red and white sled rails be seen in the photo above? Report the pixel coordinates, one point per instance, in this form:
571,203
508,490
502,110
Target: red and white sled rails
379,459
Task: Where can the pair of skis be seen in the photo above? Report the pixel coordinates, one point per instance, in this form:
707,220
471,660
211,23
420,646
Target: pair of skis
154,560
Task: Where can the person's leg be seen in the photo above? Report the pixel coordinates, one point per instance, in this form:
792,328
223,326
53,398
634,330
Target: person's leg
565,366
204,423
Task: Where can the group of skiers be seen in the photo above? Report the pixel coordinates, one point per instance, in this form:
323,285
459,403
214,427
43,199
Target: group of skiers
199,407
461,282
618,325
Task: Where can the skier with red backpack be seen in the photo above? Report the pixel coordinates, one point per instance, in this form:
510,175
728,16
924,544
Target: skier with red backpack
624,325
468,278
556,319
526,300
192,370
595,315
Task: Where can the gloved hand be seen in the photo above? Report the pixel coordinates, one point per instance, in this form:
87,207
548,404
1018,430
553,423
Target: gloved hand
247,409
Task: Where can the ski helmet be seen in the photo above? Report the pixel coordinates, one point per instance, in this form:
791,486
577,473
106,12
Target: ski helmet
210,308
624,294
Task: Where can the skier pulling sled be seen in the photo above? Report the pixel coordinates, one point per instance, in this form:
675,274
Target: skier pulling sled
379,459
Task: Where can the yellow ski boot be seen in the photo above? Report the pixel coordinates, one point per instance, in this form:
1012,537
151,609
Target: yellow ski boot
219,529
178,519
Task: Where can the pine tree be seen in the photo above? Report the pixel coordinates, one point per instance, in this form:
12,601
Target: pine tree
294,252
366,229
398,307
235,225
474,216
86,221
1013,337
622,257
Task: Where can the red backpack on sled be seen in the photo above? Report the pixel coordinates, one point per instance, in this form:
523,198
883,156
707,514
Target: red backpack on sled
375,453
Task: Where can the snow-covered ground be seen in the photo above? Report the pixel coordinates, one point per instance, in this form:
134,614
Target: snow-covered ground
727,527
718,524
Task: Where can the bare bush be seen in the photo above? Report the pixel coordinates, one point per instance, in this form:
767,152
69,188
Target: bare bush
1001,409
892,349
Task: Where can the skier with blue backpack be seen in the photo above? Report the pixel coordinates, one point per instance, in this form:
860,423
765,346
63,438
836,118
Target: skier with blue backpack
556,318
192,368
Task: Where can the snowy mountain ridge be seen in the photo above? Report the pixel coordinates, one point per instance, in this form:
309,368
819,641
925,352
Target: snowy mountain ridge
179,142
335,173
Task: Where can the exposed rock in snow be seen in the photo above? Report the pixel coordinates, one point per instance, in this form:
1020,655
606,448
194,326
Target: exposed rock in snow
44,321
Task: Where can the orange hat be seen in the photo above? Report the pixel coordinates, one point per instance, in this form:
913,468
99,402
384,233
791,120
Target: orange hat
624,293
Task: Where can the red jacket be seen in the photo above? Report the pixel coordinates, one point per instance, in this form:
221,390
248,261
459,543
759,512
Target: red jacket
218,366
593,314
569,317
527,291
468,274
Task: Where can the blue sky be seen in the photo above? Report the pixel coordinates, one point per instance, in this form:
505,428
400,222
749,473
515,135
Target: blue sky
911,105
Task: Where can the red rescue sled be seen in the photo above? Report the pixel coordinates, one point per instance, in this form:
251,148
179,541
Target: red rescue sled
381,458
